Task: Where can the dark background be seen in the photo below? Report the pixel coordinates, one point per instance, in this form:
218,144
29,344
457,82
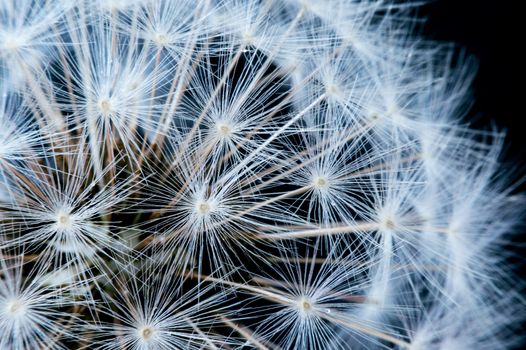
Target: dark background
488,30
492,32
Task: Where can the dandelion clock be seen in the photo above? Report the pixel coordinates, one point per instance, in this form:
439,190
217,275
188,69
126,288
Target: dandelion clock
247,174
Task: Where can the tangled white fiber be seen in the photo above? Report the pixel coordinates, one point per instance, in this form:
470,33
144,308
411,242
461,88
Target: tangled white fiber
246,174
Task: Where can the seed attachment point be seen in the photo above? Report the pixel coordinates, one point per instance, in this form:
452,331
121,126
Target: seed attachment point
146,332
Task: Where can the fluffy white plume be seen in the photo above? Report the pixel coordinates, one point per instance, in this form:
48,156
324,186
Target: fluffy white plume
268,174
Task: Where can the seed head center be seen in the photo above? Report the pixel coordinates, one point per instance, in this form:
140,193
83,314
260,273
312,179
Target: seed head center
305,304
15,307
162,39
146,332
389,224
105,106
224,130
333,90
321,182
64,219
203,208
11,43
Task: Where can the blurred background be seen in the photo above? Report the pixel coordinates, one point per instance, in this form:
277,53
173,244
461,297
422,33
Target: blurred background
489,30
492,32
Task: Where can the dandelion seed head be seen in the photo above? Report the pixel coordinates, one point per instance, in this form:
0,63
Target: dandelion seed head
13,42
105,106
224,130
64,220
16,308
305,305
289,174
203,208
162,39
146,332
321,183
388,223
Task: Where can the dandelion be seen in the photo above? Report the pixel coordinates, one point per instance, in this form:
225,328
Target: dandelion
316,298
278,174
60,216
33,313
153,311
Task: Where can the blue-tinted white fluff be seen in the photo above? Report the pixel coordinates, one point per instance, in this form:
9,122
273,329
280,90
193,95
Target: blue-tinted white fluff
293,174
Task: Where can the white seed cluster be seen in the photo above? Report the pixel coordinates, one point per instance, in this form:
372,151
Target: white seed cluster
246,174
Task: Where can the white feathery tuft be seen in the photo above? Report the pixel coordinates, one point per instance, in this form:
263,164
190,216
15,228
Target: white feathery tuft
247,174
